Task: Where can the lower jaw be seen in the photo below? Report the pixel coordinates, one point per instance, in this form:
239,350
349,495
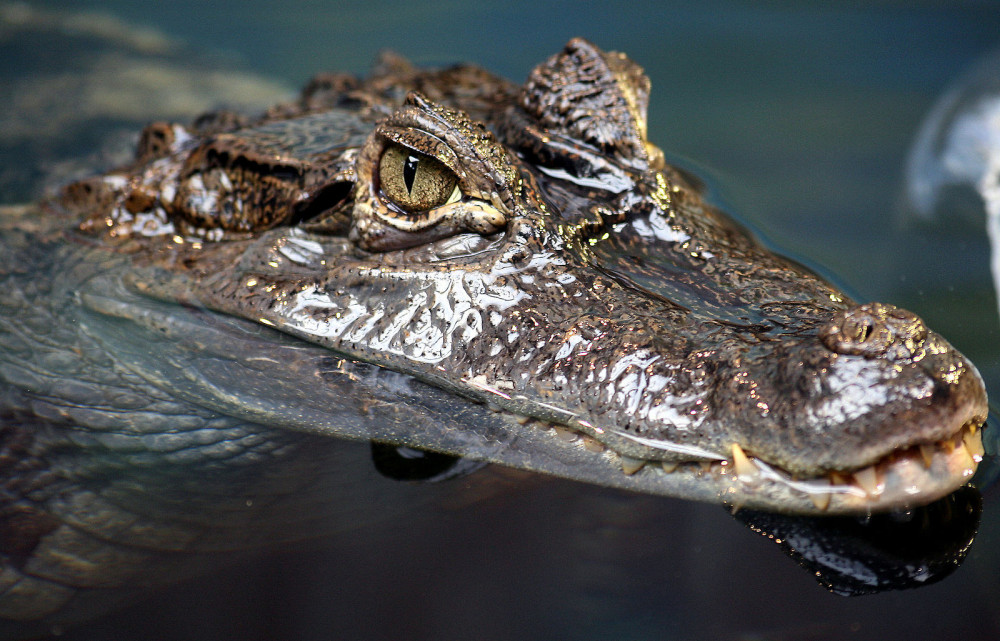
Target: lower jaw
905,479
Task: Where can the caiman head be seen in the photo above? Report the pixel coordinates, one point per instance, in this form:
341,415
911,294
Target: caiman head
527,252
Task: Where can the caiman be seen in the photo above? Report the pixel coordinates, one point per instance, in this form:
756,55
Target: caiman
444,261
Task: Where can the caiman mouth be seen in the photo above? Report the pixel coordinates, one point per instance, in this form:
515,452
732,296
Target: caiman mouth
904,478
927,470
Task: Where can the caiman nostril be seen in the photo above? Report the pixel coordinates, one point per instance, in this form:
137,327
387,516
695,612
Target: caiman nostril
875,330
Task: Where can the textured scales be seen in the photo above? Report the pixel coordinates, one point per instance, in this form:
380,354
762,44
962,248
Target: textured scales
638,316
244,294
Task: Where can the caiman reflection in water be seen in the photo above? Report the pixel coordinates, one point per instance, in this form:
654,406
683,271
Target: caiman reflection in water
854,556
444,261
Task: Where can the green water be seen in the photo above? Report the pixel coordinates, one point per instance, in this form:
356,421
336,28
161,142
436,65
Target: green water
799,116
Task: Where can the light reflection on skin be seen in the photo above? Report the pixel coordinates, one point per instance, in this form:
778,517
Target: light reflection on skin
857,387
444,312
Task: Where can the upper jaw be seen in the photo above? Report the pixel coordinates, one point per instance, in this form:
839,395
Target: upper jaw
830,412
809,410
697,441
889,435
903,478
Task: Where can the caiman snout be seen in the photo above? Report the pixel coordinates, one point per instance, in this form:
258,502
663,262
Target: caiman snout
875,330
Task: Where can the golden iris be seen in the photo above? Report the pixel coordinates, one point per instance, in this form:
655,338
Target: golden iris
415,182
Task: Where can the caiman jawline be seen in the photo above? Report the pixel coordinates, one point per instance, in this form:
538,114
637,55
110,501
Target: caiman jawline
917,474
893,481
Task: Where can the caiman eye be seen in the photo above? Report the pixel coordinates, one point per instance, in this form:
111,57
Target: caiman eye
415,182
428,173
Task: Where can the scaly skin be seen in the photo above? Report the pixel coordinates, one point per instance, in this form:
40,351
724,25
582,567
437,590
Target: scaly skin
246,287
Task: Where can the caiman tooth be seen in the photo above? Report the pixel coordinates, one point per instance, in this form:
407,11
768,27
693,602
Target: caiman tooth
632,465
867,479
564,434
927,453
965,456
669,466
838,479
974,442
745,468
820,499
522,420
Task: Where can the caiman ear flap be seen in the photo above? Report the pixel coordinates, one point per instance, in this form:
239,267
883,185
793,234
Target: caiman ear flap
593,97
584,100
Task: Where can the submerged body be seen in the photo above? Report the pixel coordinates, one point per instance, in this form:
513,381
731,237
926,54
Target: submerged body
446,261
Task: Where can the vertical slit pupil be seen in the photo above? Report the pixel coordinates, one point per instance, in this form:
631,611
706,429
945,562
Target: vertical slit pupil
410,171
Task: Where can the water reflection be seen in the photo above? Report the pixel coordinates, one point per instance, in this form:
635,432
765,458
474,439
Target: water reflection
408,464
894,551
849,556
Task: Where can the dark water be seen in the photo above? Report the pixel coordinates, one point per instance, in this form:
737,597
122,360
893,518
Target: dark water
800,117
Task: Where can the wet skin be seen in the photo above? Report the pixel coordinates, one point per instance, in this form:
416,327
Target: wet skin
444,260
